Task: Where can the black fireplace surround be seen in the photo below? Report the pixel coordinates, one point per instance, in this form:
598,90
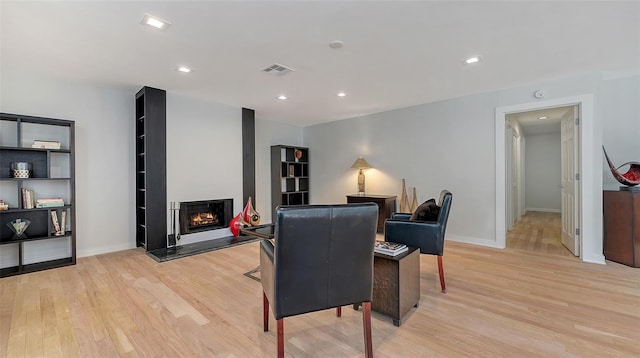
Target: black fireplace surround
204,215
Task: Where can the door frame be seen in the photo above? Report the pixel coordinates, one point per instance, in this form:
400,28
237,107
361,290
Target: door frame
590,217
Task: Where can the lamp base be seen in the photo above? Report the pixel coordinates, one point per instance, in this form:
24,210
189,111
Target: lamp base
361,193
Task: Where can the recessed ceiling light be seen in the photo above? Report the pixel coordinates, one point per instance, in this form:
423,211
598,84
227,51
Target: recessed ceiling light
283,97
336,44
543,117
155,22
184,69
471,60
341,94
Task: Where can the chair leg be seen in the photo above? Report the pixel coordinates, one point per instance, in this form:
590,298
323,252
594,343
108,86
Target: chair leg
280,338
265,312
339,311
441,271
366,325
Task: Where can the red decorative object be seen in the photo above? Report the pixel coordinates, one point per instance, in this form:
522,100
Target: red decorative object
236,224
250,215
631,177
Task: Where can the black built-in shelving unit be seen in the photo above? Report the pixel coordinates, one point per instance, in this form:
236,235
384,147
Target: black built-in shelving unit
52,176
151,169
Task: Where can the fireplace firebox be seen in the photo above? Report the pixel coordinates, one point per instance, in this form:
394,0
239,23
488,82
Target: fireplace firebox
198,216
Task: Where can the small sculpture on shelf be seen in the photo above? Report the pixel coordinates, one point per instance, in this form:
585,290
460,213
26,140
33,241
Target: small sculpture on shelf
237,223
630,178
19,226
250,214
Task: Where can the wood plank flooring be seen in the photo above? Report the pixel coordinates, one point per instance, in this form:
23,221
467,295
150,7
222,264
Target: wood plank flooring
538,232
499,303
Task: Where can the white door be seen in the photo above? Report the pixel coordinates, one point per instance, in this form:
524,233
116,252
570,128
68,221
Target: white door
515,178
509,178
569,206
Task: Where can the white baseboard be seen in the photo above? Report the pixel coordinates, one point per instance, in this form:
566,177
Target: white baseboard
473,241
543,210
595,259
104,250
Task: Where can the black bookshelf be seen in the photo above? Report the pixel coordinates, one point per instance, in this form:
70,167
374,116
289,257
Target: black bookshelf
151,169
289,176
52,175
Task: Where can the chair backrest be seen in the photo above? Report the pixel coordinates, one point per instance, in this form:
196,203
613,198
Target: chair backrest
323,257
445,205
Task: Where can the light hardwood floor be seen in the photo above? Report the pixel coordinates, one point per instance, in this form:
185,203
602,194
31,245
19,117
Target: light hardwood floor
500,303
538,232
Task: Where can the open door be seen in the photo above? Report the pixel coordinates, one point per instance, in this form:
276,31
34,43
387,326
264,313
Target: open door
569,188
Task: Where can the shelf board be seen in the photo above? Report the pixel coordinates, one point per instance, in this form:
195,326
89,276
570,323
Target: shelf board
16,210
28,149
45,265
34,238
23,179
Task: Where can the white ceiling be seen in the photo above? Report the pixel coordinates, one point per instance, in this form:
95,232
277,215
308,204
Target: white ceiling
396,54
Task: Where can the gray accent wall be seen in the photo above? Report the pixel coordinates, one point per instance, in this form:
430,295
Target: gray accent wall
543,172
450,145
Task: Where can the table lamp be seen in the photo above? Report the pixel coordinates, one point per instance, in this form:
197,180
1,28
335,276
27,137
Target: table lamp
360,164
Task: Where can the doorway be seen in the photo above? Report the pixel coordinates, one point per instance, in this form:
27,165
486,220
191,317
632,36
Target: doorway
588,218
540,184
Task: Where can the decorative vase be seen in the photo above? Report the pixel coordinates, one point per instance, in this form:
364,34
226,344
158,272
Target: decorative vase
414,202
237,223
250,215
404,200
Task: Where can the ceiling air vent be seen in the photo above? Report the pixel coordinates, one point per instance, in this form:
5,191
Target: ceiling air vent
277,69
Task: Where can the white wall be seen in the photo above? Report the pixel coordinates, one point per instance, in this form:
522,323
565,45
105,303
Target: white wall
621,118
204,156
543,172
105,166
451,145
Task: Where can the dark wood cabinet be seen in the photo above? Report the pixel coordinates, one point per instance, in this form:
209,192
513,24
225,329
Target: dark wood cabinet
621,210
289,176
386,205
48,146
151,169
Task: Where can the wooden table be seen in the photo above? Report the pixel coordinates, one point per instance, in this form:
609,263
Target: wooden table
386,205
396,284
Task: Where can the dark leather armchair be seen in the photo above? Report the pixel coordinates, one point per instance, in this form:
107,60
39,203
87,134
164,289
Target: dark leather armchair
427,235
322,258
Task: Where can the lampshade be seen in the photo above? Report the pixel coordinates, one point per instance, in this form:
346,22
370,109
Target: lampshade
360,163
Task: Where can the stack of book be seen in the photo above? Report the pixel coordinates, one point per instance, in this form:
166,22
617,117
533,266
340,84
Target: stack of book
389,248
49,203
45,144
28,199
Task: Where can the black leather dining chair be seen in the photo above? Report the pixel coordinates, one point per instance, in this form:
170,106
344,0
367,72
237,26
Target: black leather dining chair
322,258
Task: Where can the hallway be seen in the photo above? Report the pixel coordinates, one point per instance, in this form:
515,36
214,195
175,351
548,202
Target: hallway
539,233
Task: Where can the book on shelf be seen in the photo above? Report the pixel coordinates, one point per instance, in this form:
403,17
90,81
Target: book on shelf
49,203
389,248
28,199
46,144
